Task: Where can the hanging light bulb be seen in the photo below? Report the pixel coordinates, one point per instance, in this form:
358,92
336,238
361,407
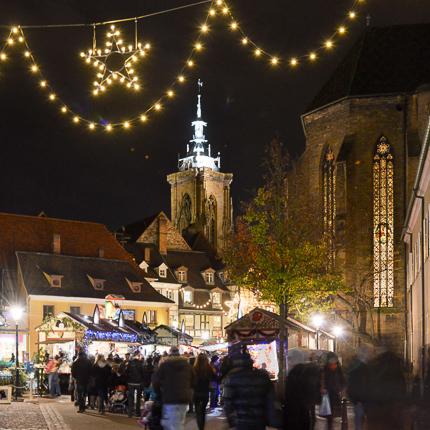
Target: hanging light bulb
294,62
342,30
143,118
352,15
92,126
181,79
108,127
126,125
257,52
170,93
157,106
76,119
64,109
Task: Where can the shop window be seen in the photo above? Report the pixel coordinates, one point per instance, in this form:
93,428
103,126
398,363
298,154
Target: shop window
75,310
48,311
217,321
189,320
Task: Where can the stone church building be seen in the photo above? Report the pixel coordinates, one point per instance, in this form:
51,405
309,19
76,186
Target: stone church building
363,135
200,192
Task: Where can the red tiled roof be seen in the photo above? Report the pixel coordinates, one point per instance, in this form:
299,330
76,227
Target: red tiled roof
35,234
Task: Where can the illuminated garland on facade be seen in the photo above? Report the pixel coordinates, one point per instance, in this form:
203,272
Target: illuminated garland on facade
218,7
112,336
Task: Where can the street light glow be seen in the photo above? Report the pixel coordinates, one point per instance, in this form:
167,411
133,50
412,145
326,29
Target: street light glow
318,320
337,331
16,313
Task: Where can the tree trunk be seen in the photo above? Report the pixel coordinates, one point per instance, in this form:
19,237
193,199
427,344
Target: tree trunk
283,313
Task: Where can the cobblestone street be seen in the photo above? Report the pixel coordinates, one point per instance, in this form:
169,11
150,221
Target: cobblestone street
48,414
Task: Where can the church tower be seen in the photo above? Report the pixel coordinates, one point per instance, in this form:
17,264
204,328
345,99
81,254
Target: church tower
200,193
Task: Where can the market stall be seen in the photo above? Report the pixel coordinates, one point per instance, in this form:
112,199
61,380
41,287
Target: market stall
259,331
170,336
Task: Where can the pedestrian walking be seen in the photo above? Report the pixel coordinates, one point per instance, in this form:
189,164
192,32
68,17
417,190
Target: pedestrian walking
81,371
249,396
205,374
135,377
301,391
54,385
332,383
174,382
102,373
359,379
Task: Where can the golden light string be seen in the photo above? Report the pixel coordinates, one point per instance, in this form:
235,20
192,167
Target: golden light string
258,51
76,117
197,48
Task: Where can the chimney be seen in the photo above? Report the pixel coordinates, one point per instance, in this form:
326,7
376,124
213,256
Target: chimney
147,255
162,235
101,252
56,243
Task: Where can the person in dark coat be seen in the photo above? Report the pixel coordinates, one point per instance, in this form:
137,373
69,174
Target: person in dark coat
192,359
135,376
102,373
249,396
148,370
81,371
360,376
332,383
174,381
205,373
387,393
301,391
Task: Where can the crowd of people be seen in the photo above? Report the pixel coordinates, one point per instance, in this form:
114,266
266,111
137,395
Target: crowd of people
174,385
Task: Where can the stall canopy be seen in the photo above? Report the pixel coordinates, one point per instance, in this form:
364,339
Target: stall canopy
114,331
260,326
172,336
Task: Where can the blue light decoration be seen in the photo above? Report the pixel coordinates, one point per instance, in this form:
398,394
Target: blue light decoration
112,337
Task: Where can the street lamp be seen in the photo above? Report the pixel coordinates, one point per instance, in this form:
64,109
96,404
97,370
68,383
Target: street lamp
16,315
318,320
337,331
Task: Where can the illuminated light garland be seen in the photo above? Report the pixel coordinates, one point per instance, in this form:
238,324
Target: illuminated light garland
274,60
17,37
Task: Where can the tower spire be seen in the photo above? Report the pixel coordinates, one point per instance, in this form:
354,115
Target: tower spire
198,150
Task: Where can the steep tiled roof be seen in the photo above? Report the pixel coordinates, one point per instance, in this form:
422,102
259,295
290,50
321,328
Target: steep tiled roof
76,273
385,60
35,234
156,259
195,262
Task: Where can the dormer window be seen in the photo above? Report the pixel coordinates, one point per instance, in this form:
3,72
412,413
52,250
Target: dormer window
144,265
54,280
162,271
209,278
181,273
98,284
136,287
188,297
216,299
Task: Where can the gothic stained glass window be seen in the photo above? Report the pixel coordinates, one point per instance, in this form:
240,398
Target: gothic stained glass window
383,223
329,191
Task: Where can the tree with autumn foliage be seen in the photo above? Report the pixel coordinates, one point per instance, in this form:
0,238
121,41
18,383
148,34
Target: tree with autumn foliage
278,249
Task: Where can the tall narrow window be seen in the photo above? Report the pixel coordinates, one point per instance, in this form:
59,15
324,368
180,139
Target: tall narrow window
383,224
329,190
211,220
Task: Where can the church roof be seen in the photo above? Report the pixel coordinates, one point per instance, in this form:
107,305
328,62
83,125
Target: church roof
384,60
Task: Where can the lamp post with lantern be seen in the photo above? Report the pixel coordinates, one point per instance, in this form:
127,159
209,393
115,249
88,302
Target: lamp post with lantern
16,315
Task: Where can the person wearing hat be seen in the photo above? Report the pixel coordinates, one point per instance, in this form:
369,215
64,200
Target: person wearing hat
174,382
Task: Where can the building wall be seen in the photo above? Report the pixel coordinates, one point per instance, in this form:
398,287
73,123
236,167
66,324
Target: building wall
352,127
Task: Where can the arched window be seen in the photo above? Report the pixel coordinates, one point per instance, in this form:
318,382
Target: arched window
211,220
383,225
329,192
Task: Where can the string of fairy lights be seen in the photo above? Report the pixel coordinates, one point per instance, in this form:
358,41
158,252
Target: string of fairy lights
114,64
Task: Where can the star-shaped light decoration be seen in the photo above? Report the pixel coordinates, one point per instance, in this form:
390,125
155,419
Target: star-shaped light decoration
115,62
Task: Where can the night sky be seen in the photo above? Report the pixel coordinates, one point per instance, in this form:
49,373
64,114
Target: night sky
49,164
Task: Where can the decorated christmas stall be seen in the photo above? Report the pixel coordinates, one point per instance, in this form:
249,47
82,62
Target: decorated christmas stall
109,330
171,336
259,331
